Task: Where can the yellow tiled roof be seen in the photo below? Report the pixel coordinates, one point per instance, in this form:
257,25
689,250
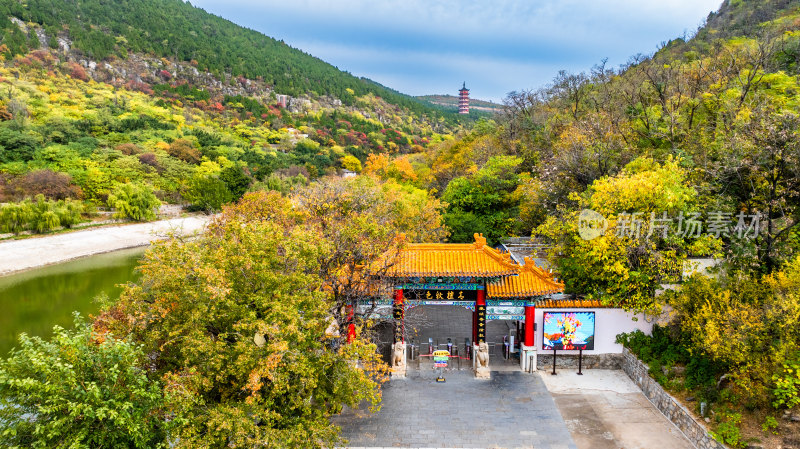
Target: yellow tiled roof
453,259
476,260
530,281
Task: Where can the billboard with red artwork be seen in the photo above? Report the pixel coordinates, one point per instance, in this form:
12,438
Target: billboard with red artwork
568,330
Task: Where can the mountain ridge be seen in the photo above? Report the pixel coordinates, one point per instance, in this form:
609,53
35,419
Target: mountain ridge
170,29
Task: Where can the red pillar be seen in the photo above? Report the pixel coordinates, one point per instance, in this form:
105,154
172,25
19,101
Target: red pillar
399,316
351,326
530,318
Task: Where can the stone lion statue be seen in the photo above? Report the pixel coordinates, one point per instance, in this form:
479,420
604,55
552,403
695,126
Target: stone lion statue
398,354
482,355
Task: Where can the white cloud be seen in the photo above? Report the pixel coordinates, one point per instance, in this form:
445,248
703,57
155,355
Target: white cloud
420,46
421,72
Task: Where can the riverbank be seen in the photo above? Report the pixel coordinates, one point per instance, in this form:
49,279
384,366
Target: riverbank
20,255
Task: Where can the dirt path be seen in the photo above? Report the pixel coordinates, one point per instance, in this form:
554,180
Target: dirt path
18,255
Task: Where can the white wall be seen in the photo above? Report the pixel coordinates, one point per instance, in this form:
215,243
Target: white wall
607,324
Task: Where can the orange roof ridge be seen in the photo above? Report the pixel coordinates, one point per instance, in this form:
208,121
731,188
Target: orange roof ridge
441,246
529,281
530,265
480,240
453,259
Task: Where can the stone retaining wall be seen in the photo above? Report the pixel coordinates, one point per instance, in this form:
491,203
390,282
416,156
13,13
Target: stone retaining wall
544,361
669,406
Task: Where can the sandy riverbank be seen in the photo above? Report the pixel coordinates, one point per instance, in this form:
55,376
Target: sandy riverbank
19,255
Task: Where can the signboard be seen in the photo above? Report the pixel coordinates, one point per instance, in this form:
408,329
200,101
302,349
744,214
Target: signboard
568,330
411,303
377,312
440,295
505,312
440,286
440,358
399,318
481,313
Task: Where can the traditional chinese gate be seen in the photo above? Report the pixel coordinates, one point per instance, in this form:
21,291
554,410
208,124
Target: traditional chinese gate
455,281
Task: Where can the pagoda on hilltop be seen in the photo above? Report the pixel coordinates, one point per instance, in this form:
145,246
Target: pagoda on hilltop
463,99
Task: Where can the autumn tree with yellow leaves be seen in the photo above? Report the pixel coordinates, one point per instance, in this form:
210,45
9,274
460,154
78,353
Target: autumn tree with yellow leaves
234,324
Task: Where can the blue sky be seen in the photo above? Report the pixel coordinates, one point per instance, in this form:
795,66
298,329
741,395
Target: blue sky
430,46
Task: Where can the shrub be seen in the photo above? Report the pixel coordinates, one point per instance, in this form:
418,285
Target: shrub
77,72
40,215
770,425
16,146
728,431
701,376
149,159
351,163
134,201
46,221
293,171
282,184
15,217
748,326
69,212
59,130
207,193
78,390
787,384
236,180
184,150
663,349
128,149
660,347
52,185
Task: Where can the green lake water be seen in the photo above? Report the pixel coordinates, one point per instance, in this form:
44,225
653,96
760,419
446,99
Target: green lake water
34,301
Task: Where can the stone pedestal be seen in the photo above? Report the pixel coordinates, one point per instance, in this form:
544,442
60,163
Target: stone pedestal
527,358
399,365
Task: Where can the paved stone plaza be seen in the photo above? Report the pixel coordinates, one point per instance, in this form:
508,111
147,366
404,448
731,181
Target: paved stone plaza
512,410
602,409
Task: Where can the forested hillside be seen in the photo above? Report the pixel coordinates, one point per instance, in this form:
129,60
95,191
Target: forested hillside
743,18
178,31
148,101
